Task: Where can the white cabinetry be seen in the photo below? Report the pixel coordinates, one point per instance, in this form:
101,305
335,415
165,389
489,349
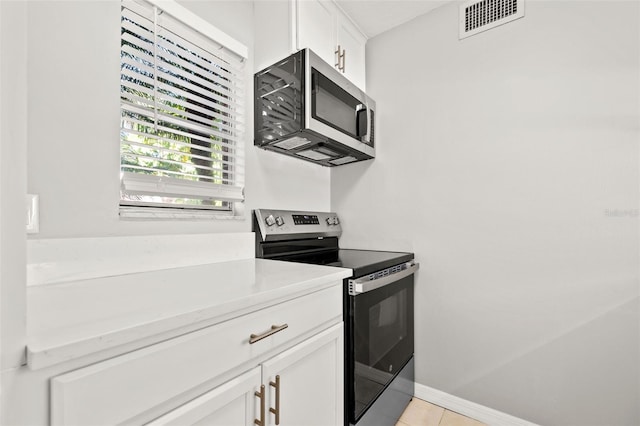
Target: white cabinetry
352,46
212,375
316,24
316,28
309,378
301,386
331,34
230,404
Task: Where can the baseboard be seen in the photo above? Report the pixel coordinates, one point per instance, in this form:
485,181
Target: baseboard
467,408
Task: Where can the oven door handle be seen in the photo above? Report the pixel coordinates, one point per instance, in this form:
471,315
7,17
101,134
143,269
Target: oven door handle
365,284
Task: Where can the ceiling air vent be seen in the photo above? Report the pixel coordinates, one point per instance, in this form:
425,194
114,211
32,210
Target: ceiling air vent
477,16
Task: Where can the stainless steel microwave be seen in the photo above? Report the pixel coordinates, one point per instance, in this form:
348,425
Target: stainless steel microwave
305,108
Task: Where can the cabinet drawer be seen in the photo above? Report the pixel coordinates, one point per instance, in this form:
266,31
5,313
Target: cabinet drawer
123,388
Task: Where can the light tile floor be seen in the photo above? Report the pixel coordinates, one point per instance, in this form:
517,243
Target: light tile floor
422,413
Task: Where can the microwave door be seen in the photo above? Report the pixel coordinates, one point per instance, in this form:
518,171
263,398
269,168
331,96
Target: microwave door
335,113
333,105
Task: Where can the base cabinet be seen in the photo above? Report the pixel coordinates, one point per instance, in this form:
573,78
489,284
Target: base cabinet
230,404
309,379
215,375
301,386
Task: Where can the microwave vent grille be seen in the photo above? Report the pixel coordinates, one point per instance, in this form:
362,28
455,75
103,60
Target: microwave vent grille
292,143
313,155
343,160
477,16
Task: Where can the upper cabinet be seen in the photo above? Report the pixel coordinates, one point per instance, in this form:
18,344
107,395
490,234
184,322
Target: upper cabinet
351,43
286,27
316,28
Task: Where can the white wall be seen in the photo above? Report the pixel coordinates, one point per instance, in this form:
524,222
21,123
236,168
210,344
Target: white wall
59,138
73,125
13,138
508,162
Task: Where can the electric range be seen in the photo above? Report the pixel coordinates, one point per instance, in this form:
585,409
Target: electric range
377,308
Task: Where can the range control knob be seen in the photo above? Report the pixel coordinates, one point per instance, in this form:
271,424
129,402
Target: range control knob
333,220
279,221
269,220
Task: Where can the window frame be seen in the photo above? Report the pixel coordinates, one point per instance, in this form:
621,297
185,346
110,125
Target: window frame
232,191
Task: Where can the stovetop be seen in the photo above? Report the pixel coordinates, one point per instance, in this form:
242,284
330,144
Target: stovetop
312,237
364,262
361,262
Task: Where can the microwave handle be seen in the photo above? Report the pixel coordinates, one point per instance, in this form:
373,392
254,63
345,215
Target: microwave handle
314,83
367,136
362,123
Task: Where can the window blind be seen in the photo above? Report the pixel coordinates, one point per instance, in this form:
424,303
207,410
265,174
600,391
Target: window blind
181,99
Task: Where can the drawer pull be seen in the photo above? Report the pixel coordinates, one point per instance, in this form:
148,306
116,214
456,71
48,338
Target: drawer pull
261,396
276,410
274,329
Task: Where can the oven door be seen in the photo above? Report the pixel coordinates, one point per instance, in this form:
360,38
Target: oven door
379,336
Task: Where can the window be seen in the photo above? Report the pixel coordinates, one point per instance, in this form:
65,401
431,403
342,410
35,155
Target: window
181,103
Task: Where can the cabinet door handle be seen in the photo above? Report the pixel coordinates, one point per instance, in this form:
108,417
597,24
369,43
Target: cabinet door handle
340,59
276,410
261,396
344,60
274,329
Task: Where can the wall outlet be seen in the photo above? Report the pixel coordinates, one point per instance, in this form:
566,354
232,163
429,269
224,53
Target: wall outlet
33,214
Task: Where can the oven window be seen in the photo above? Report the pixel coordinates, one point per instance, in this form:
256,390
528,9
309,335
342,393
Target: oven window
388,323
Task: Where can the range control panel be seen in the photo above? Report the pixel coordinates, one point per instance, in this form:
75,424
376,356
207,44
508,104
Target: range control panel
303,219
287,224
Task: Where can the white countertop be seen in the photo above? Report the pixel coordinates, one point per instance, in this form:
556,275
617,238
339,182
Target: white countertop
73,319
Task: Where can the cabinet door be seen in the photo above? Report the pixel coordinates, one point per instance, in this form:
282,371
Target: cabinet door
310,377
353,43
230,404
275,32
316,27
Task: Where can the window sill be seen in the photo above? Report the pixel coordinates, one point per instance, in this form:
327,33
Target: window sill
175,214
